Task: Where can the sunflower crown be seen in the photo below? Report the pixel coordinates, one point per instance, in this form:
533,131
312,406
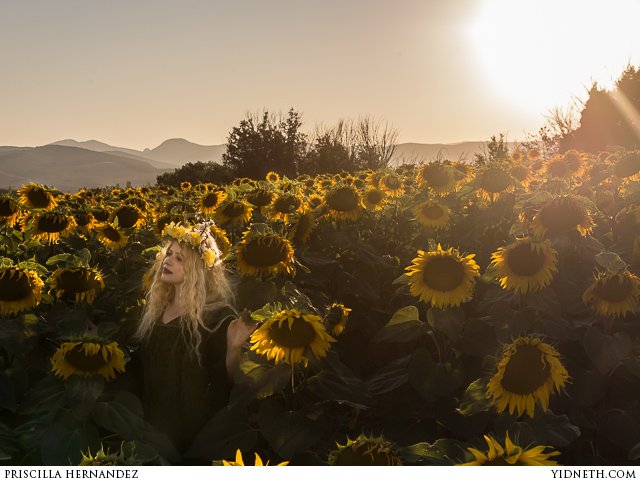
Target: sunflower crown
198,237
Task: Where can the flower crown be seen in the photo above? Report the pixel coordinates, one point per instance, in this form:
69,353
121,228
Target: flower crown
198,237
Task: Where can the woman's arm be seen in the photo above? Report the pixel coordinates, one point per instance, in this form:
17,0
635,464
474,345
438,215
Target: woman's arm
238,333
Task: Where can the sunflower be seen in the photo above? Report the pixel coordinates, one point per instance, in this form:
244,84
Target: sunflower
128,216
517,156
562,214
100,214
528,372
343,202
233,212
432,214
314,200
533,155
186,185
443,277
525,265
50,226
87,358
220,236
9,210
628,166
575,162
84,220
286,205
20,290
438,177
110,237
392,184
36,197
364,451
302,228
258,461
337,316
374,198
264,254
522,174
558,168
79,282
462,171
272,177
209,201
260,197
613,294
493,182
106,458
288,334
511,455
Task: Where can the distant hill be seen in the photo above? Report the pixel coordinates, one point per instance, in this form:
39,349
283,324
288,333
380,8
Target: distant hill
71,168
180,151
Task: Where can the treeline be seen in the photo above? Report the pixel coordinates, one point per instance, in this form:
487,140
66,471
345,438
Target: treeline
267,142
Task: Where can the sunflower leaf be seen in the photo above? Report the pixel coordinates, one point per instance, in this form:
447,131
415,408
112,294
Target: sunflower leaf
610,261
441,452
85,256
607,351
122,415
63,442
474,399
58,258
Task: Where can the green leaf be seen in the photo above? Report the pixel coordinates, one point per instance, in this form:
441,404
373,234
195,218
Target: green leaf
85,256
474,399
610,261
432,379
83,392
7,393
58,258
441,452
634,453
404,315
288,432
620,427
391,376
607,351
123,415
447,321
261,380
63,442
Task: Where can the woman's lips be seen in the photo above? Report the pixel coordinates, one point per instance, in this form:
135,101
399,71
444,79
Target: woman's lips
166,271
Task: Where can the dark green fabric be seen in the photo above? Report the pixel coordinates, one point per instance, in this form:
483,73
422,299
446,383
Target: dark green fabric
180,394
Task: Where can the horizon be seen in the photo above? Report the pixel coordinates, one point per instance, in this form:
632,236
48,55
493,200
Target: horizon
137,74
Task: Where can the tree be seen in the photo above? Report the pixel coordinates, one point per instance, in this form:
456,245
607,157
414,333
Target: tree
609,118
264,143
197,172
498,150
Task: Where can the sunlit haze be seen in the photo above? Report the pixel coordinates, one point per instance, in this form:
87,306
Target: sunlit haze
134,74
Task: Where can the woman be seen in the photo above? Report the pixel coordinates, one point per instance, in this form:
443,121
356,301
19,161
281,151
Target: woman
190,335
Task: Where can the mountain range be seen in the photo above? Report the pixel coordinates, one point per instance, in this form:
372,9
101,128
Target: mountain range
70,165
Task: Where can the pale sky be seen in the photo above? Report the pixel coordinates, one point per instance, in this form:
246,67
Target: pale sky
133,73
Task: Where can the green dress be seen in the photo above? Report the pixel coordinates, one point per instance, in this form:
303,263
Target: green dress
180,394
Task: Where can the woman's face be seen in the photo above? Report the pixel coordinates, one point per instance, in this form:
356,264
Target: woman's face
173,265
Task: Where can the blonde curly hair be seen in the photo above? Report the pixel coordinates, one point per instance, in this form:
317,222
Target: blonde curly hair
203,289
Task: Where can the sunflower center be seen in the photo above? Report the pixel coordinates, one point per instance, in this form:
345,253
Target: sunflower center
520,172
233,210
260,198
110,233
432,211
127,216
494,181
300,335
443,274
436,176
391,182
38,198
343,199
614,289
52,223
374,197
286,204
525,261
84,362
526,370
100,215
8,207
264,252
558,168
82,218
561,216
210,199
74,281
14,287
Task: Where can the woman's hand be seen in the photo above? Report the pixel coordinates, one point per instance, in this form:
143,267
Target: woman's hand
239,330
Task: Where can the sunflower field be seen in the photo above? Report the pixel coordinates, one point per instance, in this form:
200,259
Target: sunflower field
432,314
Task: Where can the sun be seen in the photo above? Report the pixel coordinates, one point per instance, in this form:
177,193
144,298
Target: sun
542,53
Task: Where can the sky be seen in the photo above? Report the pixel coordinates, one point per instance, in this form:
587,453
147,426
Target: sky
135,73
